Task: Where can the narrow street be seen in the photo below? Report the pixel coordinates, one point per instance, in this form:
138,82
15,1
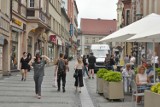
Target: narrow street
17,93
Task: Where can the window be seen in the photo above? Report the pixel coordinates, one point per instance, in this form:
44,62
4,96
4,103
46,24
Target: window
93,40
86,40
31,3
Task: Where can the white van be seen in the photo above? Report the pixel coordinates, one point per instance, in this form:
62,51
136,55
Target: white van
100,51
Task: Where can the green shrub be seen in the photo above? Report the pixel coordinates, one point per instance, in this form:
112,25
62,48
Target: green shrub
156,88
136,70
112,76
101,72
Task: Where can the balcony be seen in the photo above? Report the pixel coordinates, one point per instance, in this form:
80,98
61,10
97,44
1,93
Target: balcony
37,15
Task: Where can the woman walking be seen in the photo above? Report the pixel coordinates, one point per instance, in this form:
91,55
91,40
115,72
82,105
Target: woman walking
38,64
24,66
79,78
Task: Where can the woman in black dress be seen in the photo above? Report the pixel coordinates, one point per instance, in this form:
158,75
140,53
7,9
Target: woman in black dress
24,66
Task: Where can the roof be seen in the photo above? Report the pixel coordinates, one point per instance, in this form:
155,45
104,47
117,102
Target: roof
98,26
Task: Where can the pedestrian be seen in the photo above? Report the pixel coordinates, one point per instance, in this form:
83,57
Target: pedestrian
128,75
117,59
92,61
38,64
79,78
107,61
132,62
155,60
61,72
24,66
29,57
112,62
150,72
126,59
85,70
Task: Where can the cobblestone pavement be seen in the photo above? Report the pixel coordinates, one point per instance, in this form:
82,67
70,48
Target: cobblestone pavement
17,93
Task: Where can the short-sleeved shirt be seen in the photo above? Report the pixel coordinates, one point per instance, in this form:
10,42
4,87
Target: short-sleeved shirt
39,68
92,60
24,63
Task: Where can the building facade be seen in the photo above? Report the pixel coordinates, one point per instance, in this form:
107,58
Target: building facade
73,15
151,6
92,30
55,40
35,26
5,17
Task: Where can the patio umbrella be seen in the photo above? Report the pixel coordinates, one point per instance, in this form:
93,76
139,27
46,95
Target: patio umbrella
150,35
133,29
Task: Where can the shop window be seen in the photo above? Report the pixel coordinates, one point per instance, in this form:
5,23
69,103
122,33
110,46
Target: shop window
14,50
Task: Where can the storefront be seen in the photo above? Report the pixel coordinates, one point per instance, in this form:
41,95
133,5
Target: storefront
1,52
51,51
14,50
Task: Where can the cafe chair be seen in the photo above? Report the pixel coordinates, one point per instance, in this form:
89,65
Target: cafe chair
135,93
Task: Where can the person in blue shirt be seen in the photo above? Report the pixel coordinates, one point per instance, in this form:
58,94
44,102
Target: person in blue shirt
150,72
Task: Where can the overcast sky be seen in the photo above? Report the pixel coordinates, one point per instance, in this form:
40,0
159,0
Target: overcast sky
104,9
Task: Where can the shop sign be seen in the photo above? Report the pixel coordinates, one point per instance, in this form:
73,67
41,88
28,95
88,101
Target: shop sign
19,23
53,39
1,40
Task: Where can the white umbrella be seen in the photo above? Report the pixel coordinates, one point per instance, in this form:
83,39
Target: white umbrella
150,35
132,29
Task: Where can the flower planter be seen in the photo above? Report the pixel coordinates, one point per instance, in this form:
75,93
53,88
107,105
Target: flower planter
113,90
151,99
99,85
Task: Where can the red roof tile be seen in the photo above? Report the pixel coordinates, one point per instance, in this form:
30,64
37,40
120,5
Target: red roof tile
98,26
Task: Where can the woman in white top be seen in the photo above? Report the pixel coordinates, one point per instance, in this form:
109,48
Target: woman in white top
141,80
79,78
141,77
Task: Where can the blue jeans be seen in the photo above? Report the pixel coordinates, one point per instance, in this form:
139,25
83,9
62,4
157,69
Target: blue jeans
85,70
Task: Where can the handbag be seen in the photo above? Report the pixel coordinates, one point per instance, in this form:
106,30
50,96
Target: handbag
75,75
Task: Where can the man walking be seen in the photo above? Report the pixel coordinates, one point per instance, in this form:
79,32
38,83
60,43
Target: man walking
61,72
92,61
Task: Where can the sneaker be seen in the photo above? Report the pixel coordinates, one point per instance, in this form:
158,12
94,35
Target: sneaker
39,97
54,86
22,79
92,77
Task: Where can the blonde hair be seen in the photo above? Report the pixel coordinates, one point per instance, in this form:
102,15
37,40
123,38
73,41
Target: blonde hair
140,67
79,60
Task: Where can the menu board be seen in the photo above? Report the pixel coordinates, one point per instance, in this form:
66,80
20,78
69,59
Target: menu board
1,57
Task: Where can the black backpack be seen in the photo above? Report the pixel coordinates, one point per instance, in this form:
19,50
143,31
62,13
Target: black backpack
61,65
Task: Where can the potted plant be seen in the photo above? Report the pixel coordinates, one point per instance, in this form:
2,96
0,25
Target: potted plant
100,74
151,97
113,86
